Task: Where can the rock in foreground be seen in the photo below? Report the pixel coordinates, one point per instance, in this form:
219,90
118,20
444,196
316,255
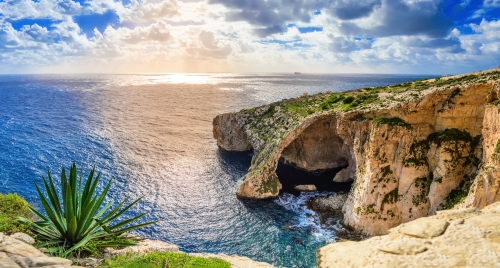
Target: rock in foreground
15,253
452,238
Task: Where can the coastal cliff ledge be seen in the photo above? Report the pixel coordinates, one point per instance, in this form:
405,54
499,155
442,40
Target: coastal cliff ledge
410,149
452,238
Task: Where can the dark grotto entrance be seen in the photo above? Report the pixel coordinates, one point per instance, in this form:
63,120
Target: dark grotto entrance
290,177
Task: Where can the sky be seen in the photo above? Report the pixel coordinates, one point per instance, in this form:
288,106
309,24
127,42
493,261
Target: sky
309,36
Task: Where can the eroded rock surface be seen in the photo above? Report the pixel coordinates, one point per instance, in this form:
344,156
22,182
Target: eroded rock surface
452,238
330,203
229,134
486,186
14,253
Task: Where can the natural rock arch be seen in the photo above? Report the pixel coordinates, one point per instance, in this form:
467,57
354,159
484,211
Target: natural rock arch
318,148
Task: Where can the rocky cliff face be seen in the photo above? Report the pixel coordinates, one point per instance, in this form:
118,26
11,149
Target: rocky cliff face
411,149
485,188
229,133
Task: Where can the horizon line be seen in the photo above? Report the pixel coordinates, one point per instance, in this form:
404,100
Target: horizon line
194,73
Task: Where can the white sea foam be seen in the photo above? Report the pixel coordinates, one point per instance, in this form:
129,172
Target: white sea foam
307,218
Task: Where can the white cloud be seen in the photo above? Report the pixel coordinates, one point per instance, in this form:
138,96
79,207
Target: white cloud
70,32
149,11
208,47
492,48
491,3
156,32
137,11
490,29
9,37
347,44
52,9
38,33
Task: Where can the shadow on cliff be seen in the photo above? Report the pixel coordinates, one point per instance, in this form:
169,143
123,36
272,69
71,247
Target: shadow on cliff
234,162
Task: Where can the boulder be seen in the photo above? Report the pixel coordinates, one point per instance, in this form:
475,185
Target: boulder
16,253
344,175
332,202
305,188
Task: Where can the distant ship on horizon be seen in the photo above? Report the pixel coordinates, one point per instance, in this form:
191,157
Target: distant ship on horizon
297,73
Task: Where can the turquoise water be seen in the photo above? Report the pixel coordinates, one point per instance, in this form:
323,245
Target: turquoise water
153,135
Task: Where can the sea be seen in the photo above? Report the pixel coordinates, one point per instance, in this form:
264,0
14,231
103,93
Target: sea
152,135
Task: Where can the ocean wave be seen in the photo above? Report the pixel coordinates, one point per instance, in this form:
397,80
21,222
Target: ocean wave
307,218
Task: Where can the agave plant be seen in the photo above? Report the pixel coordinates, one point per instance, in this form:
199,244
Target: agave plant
79,215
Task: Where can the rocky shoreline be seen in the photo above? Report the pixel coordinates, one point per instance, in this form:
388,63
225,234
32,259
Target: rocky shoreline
17,251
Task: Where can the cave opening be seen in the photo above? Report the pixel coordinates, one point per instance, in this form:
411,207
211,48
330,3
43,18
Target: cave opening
291,176
315,157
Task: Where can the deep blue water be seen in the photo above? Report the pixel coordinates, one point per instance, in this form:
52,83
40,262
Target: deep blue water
153,135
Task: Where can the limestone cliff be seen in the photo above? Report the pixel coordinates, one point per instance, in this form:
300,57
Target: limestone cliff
485,188
452,238
229,134
411,149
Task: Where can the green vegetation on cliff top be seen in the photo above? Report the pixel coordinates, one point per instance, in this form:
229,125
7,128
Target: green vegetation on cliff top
11,207
374,97
164,260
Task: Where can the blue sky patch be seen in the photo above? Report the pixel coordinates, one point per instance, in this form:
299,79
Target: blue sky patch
305,29
47,23
467,12
290,45
310,29
100,21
